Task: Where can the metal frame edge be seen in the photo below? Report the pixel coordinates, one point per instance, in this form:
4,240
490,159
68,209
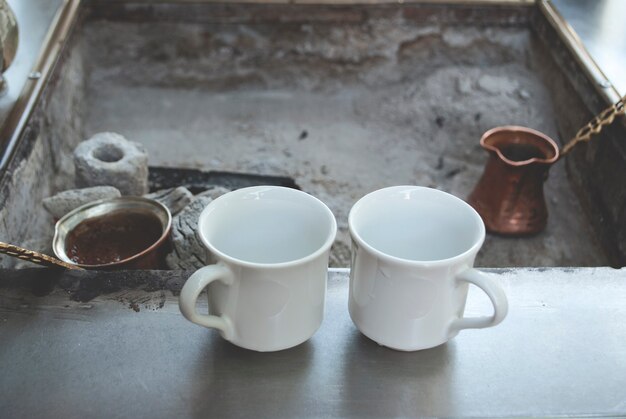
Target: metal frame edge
53,43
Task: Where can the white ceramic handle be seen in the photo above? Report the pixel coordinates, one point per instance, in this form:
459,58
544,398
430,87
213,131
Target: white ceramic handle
192,289
495,293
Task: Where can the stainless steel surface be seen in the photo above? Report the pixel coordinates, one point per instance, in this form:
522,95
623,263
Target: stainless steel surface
44,25
561,351
360,2
34,18
581,54
601,26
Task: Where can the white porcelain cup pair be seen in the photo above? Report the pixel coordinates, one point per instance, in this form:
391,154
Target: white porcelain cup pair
413,249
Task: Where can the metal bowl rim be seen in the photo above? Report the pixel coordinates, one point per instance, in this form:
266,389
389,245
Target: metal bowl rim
58,242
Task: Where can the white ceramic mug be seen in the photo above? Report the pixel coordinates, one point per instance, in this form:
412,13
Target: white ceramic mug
267,290
413,249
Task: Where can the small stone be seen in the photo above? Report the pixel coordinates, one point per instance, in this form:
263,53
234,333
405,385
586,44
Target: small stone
269,166
440,163
64,202
175,199
452,173
340,254
108,158
225,51
457,38
464,85
497,85
188,252
524,94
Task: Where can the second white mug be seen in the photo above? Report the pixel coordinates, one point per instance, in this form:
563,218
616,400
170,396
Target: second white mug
413,250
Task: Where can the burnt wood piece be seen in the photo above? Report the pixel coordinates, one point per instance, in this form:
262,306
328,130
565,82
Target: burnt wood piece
198,181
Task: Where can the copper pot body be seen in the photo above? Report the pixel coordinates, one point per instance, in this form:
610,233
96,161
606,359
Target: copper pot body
509,195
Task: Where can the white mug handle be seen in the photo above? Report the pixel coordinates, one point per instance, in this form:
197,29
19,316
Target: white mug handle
495,293
192,289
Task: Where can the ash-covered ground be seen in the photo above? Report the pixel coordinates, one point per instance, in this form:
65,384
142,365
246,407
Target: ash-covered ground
342,109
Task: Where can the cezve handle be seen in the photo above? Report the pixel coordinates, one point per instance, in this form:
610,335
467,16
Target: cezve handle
192,289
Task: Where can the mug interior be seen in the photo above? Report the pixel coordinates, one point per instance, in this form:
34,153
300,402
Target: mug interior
267,225
416,224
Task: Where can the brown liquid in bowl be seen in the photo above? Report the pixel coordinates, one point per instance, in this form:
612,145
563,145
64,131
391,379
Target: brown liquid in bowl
112,237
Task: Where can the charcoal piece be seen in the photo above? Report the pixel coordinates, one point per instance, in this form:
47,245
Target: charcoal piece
175,199
198,181
64,202
188,252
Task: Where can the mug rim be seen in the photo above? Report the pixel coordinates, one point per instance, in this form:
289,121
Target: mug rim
241,262
413,262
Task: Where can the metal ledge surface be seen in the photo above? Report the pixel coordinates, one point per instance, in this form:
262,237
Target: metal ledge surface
560,352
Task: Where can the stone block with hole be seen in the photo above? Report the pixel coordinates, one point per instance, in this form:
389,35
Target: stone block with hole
108,158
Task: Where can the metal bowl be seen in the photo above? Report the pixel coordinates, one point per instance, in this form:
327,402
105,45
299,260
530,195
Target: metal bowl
152,257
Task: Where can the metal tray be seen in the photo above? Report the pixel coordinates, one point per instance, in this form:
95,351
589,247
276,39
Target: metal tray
588,202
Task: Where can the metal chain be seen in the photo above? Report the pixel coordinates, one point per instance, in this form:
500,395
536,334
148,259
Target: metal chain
605,117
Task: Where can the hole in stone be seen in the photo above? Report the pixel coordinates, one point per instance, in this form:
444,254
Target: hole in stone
108,153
